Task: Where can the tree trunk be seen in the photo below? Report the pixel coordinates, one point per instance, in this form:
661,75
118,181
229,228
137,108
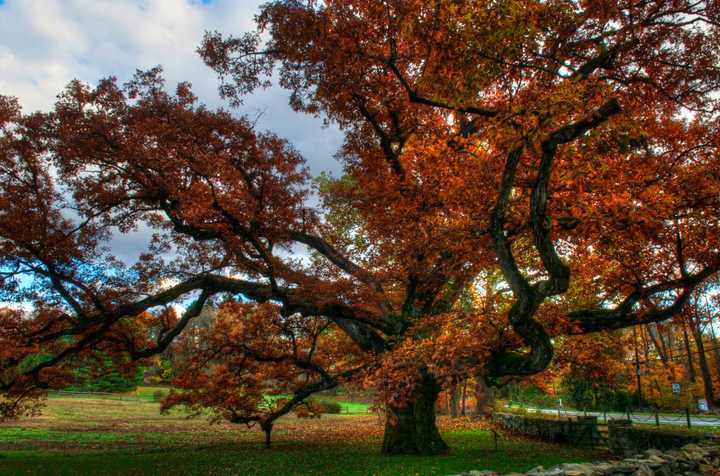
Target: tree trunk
484,397
637,369
267,428
454,400
646,344
671,343
659,343
702,361
715,349
688,350
411,430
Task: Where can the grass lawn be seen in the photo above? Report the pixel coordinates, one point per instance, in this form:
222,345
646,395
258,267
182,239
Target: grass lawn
681,428
354,407
80,435
346,407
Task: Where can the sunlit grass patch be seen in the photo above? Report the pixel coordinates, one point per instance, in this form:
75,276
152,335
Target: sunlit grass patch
99,436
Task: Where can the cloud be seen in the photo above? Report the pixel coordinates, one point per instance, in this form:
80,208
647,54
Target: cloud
47,43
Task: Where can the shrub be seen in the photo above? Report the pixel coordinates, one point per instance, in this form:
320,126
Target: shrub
517,410
100,373
328,406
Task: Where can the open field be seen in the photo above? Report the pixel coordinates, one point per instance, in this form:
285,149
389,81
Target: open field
79,435
147,394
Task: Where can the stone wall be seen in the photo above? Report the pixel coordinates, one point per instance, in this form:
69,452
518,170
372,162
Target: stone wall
690,460
577,431
624,439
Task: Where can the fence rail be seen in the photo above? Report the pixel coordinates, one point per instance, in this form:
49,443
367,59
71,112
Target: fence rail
652,417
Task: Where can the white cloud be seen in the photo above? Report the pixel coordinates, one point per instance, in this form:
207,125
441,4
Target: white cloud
47,43
25,307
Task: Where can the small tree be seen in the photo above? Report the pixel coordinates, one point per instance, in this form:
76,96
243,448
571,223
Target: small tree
104,373
593,370
252,365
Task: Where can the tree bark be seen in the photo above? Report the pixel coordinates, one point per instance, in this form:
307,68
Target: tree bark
267,429
702,361
454,400
659,345
637,370
484,397
715,348
688,350
671,343
411,430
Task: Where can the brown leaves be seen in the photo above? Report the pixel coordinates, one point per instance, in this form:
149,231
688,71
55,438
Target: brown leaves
251,364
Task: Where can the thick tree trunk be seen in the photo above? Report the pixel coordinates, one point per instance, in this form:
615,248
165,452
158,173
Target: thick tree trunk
411,430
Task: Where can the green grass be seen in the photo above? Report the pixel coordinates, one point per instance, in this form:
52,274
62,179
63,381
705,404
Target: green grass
99,436
471,450
354,407
346,407
43,434
680,428
142,394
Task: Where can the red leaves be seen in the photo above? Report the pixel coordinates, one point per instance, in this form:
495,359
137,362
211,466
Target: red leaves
309,410
252,364
450,346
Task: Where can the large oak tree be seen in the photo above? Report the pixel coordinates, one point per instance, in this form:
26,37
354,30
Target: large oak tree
565,151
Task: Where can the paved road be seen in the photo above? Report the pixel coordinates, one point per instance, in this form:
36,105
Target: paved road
679,419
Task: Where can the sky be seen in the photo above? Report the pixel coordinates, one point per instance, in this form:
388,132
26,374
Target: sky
44,44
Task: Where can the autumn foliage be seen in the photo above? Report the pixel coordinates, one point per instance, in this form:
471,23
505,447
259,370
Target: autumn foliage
252,365
513,171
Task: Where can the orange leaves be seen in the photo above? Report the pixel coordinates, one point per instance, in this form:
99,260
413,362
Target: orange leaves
309,410
251,364
596,358
448,346
205,170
